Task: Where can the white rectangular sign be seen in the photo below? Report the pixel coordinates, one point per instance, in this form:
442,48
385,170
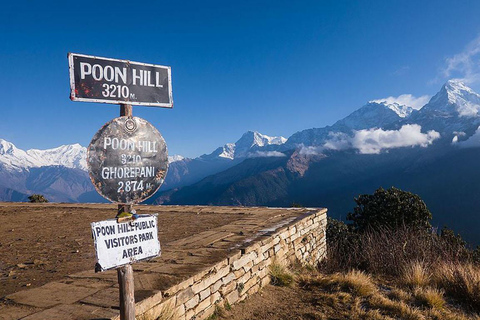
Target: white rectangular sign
117,244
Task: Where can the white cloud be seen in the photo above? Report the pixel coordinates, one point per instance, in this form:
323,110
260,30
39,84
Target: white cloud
310,150
373,141
466,64
472,142
338,141
264,154
457,134
407,100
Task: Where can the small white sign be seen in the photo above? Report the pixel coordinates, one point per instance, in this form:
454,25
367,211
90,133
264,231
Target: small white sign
117,244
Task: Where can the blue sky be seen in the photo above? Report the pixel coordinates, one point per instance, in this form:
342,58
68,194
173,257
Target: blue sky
276,67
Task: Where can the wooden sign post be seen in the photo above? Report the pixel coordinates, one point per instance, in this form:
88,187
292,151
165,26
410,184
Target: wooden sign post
126,289
126,282
127,160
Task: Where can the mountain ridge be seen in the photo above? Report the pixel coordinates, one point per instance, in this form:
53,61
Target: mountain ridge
415,152
375,128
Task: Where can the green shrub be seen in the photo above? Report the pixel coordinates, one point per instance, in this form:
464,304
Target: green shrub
296,205
449,236
391,208
37,198
337,230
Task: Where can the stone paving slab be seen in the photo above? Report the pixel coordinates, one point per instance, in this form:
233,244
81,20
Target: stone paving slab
51,294
14,312
107,298
73,312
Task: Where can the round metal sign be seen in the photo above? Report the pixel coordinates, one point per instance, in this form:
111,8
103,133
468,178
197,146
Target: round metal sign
127,160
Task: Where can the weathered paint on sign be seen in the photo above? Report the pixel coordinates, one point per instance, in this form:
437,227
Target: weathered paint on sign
117,244
96,79
127,160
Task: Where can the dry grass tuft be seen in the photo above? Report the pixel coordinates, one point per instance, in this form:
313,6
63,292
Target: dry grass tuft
399,295
358,282
398,309
461,281
415,274
430,297
449,315
358,312
280,275
355,282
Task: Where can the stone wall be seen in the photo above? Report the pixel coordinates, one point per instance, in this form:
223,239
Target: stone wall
244,272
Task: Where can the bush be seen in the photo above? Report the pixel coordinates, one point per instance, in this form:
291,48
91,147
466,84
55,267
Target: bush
449,236
391,208
337,231
296,205
343,245
37,198
391,233
389,251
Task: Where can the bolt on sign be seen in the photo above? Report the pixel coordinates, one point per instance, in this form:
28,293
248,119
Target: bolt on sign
96,79
118,244
127,160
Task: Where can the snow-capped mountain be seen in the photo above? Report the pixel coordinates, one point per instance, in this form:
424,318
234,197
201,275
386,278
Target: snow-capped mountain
58,173
453,111
252,140
175,158
375,114
454,99
187,171
70,156
401,110
248,143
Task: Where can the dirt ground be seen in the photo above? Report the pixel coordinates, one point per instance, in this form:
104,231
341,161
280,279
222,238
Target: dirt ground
277,303
40,243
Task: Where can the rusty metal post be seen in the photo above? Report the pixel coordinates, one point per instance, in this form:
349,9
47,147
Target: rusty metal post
125,273
125,110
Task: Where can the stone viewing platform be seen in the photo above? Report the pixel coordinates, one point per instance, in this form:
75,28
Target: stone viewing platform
209,255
